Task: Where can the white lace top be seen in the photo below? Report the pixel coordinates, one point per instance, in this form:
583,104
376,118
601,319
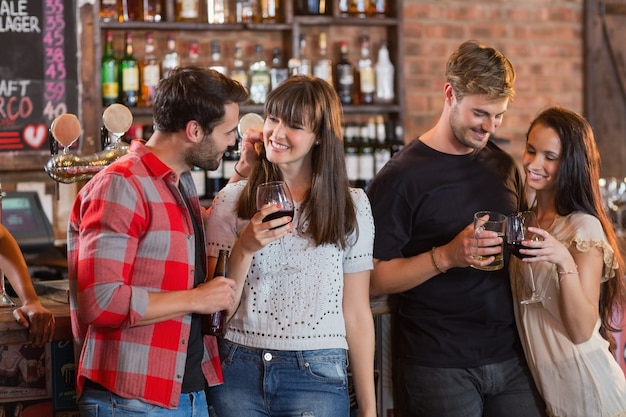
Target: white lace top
581,380
302,310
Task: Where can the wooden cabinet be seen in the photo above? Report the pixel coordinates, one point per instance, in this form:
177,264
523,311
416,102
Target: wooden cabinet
284,34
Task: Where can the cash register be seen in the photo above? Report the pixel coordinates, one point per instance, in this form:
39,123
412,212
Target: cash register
23,215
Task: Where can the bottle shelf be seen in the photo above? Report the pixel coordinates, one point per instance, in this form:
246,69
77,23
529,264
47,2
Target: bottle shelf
226,27
344,21
196,26
146,112
284,34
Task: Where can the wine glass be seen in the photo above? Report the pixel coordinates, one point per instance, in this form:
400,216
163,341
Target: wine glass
516,232
276,192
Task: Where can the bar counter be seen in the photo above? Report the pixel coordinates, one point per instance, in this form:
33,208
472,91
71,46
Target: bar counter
12,332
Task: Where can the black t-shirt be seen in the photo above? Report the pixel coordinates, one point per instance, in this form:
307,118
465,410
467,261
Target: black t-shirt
424,198
194,378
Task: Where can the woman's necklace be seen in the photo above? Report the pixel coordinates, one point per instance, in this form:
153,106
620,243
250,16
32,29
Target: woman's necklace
545,219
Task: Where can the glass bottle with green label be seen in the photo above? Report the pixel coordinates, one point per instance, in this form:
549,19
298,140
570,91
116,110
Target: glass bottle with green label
129,75
108,70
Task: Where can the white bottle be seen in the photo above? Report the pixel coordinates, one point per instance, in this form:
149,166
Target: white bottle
171,59
385,72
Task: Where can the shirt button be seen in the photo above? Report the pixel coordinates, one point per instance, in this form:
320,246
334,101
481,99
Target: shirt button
267,356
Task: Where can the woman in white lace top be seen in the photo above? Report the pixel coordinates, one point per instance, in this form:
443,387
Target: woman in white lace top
286,348
577,266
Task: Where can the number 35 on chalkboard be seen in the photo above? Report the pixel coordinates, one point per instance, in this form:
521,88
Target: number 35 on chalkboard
40,82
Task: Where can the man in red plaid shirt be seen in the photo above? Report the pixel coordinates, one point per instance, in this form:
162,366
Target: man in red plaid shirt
137,260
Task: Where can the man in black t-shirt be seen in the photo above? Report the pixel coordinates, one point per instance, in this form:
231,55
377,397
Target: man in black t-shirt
456,351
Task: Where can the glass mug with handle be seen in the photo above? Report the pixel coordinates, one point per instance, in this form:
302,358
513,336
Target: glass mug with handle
495,222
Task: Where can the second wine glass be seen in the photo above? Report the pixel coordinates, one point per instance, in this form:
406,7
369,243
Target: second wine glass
277,192
516,232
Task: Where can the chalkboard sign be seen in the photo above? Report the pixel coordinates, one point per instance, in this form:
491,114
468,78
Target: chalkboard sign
38,70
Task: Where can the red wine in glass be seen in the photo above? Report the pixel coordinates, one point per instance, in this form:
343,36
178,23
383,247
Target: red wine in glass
515,247
277,192
278,215
517,225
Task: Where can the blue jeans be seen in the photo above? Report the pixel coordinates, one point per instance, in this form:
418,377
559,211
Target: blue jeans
503,389
274,383
100,403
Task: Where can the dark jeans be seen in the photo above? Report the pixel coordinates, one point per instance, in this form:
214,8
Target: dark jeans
502,389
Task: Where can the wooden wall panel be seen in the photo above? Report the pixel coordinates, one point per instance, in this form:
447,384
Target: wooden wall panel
605,81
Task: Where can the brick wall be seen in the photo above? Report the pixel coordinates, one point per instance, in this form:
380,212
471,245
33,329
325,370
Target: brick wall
542,38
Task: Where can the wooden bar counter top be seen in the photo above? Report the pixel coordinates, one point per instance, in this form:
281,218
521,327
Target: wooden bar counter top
12,332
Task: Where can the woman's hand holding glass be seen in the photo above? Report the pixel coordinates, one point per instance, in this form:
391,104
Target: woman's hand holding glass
259,234
546,248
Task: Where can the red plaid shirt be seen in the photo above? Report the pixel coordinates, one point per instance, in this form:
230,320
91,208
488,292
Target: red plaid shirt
130,233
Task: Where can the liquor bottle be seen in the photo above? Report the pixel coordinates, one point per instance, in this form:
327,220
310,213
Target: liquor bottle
312,7
357,8
193,56
323,67
153,10
130,10
343,8
245,11
377,8
269,11
187,10
108,69
384,76
198,175
238,72
217,11
259,77
366,153
382,151
367,76
214,181
129,75
293,66
171,59
278,72
351,149
217,63
150,72
213,324
229,161
300,64
395,135
108,10
344,75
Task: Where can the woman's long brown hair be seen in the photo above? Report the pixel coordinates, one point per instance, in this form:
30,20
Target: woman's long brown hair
578,189
328,207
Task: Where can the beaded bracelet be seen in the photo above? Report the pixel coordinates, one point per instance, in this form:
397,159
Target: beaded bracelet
237,172
432,256
563,274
